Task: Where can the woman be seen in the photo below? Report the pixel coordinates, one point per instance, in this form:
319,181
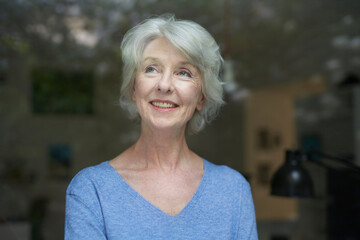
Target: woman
159,188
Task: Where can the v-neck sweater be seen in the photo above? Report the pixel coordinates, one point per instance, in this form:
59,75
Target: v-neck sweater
101,205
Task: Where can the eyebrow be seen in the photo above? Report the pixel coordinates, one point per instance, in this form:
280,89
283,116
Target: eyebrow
151,59
157,60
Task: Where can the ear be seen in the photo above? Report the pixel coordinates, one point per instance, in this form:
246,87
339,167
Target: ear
200,102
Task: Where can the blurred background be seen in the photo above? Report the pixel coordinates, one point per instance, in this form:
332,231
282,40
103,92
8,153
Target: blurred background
292,80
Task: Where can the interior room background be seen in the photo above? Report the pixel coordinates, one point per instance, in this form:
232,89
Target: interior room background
291,79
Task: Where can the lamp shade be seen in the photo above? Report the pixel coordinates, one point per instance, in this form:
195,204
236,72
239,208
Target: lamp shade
292,179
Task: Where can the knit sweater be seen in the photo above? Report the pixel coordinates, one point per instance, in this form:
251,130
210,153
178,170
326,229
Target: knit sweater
101,205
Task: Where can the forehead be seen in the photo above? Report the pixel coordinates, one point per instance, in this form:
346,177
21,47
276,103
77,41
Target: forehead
162,50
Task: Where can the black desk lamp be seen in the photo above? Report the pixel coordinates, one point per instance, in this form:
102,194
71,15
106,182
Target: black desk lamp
292,180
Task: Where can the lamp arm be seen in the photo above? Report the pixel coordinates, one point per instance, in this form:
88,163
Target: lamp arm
336,159
320,163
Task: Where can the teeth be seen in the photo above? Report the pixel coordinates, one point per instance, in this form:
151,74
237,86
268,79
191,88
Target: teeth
163,104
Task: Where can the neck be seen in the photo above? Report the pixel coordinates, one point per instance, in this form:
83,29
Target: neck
165,150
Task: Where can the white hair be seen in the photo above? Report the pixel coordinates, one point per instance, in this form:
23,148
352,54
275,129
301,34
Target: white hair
195,43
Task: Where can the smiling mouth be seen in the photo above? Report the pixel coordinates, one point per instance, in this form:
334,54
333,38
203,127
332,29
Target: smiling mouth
164,105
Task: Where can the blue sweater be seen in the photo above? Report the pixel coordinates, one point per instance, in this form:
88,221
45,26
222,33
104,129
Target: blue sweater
101,205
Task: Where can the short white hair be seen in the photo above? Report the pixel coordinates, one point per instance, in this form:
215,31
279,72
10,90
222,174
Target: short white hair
195,43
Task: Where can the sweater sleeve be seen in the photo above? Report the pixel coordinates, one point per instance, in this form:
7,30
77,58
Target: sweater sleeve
247,224
83,217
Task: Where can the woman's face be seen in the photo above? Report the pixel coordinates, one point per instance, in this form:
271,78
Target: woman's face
167,87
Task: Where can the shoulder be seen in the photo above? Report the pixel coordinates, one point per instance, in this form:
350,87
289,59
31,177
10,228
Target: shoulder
226,177
89,178
224,172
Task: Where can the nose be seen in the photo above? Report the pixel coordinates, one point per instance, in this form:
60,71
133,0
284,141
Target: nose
165,84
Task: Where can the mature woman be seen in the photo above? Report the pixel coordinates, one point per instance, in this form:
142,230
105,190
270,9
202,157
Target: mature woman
159,188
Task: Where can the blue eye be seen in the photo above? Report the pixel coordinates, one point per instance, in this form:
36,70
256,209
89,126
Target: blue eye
150,69
185,74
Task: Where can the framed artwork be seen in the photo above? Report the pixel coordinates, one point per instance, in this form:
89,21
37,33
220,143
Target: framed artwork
267,139
263,173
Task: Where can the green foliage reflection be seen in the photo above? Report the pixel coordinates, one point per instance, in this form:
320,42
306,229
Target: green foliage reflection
64,92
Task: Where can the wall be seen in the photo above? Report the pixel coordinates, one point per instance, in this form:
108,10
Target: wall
270,129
